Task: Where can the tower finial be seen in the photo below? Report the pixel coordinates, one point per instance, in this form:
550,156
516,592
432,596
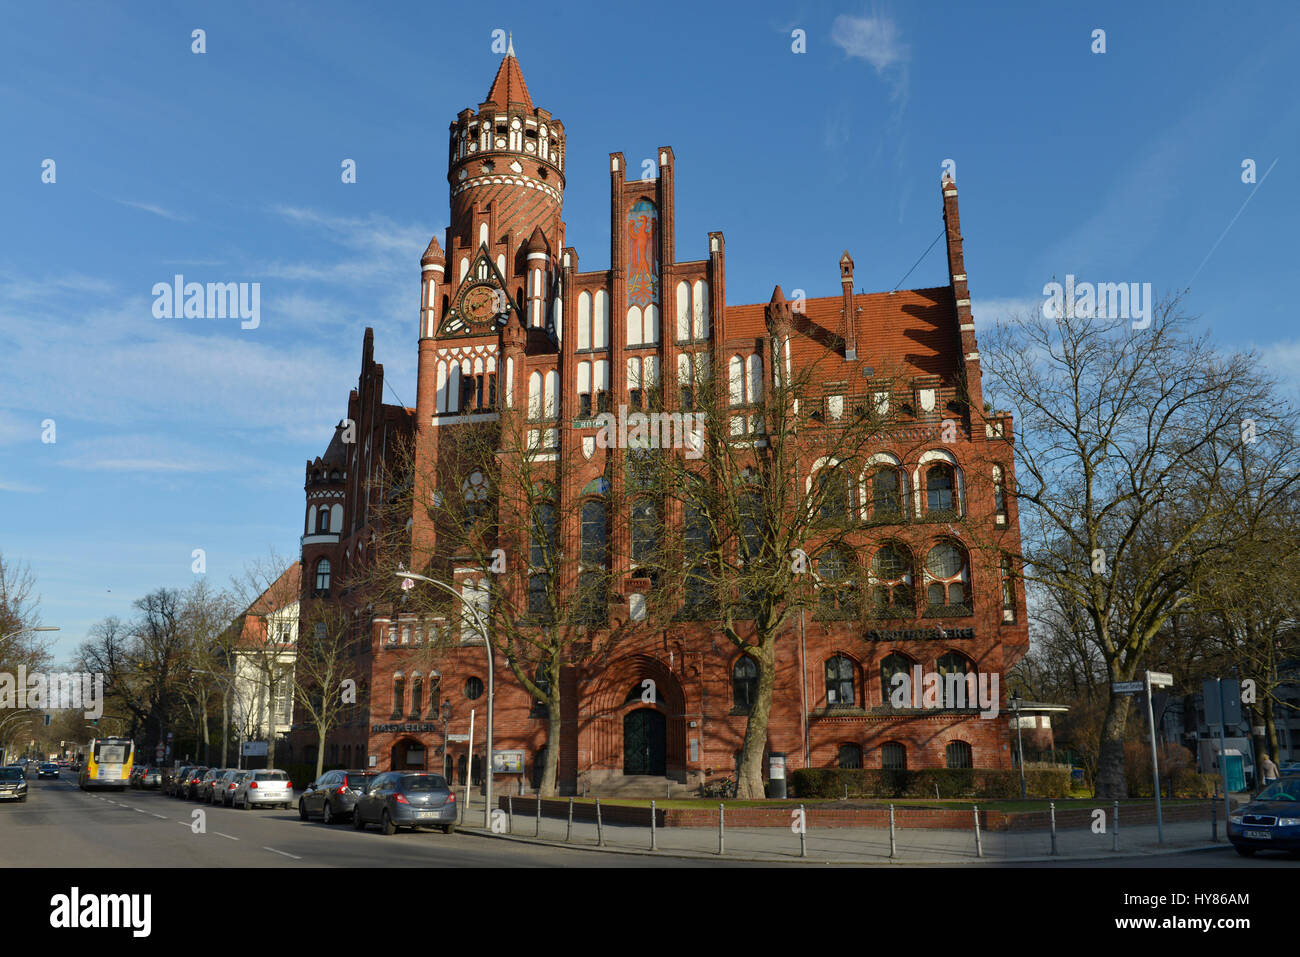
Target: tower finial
510,46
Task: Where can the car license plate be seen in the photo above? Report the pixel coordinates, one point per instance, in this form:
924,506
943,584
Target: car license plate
1259,835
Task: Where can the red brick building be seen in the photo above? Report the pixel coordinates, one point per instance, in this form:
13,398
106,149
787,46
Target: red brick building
573,342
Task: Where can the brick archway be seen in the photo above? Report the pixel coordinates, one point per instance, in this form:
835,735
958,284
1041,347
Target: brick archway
616,692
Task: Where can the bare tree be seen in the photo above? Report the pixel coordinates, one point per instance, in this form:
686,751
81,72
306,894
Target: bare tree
325,685
1128,436
761,519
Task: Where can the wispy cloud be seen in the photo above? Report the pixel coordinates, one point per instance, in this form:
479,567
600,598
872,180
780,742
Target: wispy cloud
6,486
152,208
875,39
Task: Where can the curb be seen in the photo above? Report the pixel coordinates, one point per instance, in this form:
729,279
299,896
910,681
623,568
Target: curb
700,855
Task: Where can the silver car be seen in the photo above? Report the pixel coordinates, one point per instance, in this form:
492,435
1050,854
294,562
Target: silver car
262,788
220,786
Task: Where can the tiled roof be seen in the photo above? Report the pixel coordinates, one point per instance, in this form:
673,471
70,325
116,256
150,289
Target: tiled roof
914,327
509,87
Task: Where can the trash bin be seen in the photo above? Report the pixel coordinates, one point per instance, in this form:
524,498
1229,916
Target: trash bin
776,776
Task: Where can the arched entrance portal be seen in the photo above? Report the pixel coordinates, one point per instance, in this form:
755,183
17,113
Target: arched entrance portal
408,755
645,742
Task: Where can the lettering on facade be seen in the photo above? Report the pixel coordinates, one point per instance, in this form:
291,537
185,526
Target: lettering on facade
919,634
413,728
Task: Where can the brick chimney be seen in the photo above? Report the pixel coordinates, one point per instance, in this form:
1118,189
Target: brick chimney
850,315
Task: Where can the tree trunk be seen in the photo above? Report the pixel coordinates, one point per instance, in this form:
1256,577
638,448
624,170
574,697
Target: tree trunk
551,766
320,751
749,777
1111,783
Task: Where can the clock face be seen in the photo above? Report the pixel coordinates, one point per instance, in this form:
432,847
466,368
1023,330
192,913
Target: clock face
481,304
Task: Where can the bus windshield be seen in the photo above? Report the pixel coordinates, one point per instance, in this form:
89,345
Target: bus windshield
110,753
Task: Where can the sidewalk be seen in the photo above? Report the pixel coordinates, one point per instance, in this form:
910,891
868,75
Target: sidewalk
855,845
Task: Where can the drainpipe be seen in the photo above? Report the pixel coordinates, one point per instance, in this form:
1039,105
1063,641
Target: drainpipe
803,692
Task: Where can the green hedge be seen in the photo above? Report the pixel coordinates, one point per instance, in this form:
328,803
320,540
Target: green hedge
950,782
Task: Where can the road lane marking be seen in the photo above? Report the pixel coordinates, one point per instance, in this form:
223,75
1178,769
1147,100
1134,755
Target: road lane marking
219,834
140,809
285,853
160,817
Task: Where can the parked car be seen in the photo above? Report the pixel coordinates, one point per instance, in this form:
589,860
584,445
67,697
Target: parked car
48,771
172,780
262,788
230,785
406,799
204,791
219,785
13,786
1270,822
151,779
193,778
333,795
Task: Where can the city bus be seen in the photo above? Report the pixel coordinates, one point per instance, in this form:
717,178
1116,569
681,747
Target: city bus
107,764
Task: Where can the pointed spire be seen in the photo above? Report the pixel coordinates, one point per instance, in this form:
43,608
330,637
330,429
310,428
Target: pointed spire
510,46
537,241
777,295
433,253
509,87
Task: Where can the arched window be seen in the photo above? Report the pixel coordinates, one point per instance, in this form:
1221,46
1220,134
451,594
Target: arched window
849,756
473,688
645,532
323,577
698,542
544,686
947,581
894,692
893,756
940,488
836,597
947,576
475,490
887,495
955,688
744,684
542,541
891,582
399,694
323,521
958,755
839,682
595,533
832,496
1008,589
999,496
417,695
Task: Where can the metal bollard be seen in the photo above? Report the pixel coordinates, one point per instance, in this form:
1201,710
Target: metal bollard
721,830
510,812
1114,828
979,845
652,827
600,830
537,801
1052,807
892,845
803,832
568,834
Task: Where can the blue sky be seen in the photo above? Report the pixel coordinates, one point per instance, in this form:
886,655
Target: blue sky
175,434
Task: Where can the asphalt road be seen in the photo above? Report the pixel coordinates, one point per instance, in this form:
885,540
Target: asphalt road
60,825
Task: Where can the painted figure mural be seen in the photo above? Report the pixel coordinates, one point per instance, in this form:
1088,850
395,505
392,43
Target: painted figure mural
642,255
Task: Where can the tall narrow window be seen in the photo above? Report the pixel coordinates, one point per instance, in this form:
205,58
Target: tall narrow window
939,486
744,684
399,694
323,577
839,682
896,691
887,495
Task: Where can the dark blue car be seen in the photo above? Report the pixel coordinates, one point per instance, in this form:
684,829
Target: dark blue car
1270,822
406,799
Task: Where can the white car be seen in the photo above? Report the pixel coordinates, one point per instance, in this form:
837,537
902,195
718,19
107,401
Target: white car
259,788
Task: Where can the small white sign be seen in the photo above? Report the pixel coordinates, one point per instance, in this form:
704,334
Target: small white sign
458,737
1160,679
254,749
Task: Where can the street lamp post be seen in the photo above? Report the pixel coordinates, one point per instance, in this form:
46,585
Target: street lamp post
446,719
1020,745
23,631
408,579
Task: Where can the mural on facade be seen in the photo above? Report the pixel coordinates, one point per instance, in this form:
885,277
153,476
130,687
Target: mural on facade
642,255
